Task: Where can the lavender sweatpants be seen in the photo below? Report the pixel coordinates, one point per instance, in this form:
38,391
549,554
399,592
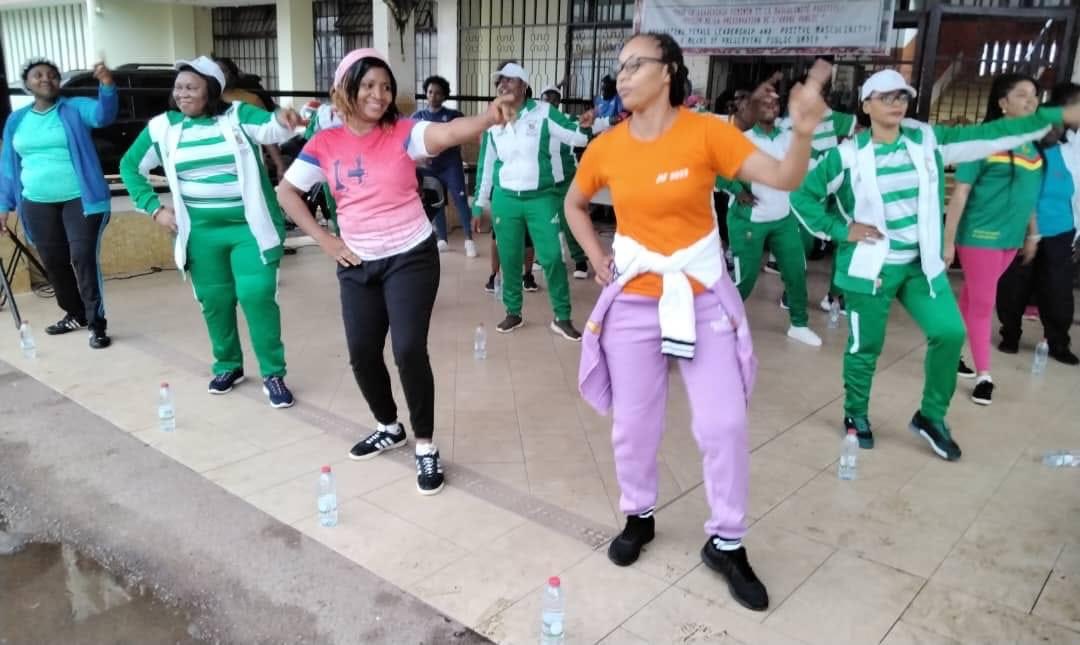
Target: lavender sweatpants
718,402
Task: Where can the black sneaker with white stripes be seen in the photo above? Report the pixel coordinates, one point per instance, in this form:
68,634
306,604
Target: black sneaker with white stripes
66,324
937,435
429,473
377,443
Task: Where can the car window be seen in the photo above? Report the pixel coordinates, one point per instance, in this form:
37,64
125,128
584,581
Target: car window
149,104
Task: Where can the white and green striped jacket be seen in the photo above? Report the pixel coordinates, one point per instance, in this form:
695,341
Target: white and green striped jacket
211,181
865,183
525,156
834,126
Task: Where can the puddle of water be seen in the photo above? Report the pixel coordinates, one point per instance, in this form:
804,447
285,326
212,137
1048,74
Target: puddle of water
51,594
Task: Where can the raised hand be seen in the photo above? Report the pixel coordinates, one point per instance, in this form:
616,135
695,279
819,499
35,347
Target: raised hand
806,106
102,74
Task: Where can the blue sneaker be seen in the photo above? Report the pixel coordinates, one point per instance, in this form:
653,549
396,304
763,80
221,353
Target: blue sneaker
280,396
223,383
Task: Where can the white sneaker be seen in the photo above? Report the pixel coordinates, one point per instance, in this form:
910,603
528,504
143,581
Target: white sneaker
470,249
804,335
581,275
826,303
443,246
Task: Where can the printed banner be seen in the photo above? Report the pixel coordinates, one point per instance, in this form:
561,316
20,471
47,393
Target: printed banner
770,26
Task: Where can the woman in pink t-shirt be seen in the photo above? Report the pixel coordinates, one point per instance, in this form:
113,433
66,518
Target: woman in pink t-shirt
388,262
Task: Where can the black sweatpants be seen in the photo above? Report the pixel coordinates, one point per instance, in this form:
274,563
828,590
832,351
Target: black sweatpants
395,294
69,243
1049,278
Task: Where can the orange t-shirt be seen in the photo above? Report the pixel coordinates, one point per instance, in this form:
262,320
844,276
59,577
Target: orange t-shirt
662,190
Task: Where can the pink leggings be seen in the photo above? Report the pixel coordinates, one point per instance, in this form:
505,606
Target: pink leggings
982,269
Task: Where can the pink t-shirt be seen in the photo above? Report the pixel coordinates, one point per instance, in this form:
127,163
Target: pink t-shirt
373,180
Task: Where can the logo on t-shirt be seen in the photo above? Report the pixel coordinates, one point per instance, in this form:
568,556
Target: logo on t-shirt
674,175
357,172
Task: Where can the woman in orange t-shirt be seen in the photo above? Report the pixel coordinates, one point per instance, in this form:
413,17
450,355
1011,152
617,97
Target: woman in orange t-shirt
666,293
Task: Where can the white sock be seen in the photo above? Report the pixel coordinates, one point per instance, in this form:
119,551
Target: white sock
424,449
726,545
393,428
984,377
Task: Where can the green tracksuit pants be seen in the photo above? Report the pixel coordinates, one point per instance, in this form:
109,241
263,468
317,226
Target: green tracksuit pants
226,267
937,315
537,212
577,254
782,237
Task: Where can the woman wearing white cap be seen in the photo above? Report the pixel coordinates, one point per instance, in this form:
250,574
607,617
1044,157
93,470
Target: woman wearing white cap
228,226
524,198
553,95
389,261
889,183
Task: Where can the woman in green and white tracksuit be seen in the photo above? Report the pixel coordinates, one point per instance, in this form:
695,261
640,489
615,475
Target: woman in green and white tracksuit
525,155
760,216
889,184
229,229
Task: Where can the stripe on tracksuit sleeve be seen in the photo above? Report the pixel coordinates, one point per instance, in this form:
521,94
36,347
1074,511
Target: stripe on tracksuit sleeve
486,166
808,202
135,167
972,142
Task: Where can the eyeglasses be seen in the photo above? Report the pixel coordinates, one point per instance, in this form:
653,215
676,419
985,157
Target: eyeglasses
633,65
893,98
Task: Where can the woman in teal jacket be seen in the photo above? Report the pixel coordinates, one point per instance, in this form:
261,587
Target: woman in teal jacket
51,176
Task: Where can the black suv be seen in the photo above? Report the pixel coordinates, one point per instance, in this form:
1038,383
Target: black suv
136,108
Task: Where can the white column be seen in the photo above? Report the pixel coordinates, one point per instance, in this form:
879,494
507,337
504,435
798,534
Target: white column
296,49
446,24
400,55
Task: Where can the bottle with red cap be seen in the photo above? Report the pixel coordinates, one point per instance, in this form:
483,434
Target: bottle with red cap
166,411
553,614
328,515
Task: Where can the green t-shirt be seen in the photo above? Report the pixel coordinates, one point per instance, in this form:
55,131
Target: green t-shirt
1005,188
48,174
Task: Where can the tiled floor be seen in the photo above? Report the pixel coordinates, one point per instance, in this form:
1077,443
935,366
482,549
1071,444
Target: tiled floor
915,551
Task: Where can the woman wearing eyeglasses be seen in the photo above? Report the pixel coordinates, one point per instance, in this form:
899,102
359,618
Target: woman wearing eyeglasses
667,294
889,183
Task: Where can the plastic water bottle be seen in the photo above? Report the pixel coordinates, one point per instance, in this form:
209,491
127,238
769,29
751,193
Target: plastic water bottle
1062,459
327,498
480,343
1042,351
26,340
166,411
834,313
849,456
553,614
498,286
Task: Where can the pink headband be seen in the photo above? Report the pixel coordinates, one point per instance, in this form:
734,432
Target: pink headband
351,58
